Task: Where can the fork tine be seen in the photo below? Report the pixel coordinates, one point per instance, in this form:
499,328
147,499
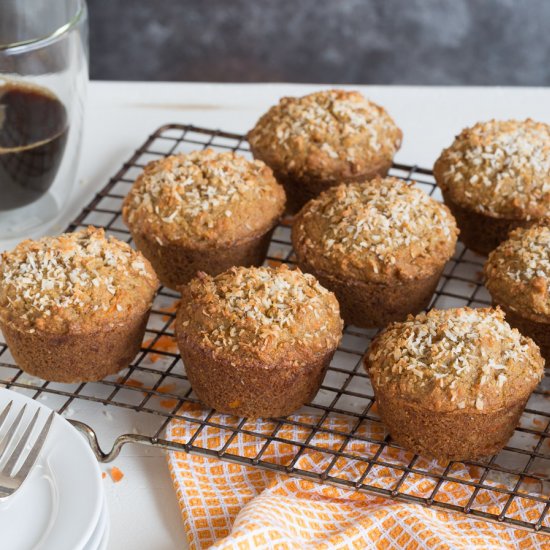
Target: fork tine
11,432
5,412
37,447
16,453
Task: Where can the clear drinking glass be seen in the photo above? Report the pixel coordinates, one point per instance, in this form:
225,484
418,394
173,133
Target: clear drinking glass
43,80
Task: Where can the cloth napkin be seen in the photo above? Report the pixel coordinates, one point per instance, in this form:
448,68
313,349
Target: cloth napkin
239,507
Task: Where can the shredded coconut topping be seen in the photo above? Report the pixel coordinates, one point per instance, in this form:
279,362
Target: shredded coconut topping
335,123
519,270
465,354
378,224
499,168
191,193
247,308
74,273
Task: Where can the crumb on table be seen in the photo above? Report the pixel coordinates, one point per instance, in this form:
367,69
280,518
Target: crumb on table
116,474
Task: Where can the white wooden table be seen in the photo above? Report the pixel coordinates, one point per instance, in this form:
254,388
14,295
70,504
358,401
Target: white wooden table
143,508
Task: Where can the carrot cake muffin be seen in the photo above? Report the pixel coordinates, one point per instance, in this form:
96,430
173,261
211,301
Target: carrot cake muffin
380,246
203,211
452,384
494,177
517,276
323,139
73,308
257,341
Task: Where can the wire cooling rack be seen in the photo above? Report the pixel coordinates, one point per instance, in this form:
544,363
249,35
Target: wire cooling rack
338,438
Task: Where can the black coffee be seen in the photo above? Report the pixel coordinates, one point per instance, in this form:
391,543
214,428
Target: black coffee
33,134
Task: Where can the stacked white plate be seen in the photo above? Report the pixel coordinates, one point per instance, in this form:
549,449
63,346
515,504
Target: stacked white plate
61,505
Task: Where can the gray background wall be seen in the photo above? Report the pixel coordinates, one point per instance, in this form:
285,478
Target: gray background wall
342,41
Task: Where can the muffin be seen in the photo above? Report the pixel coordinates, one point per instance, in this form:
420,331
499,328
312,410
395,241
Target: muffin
495,177
380,246
256,342
517,276
73,308
203,211
322,139
452,384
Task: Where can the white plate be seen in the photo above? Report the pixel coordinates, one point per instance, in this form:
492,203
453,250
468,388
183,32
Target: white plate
59,505
100,536
105,539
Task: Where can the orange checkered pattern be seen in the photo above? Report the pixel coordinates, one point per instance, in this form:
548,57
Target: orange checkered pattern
231,506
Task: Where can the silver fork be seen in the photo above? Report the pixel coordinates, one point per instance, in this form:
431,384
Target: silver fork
9,480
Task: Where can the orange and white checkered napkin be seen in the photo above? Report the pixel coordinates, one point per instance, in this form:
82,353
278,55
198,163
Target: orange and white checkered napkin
230,506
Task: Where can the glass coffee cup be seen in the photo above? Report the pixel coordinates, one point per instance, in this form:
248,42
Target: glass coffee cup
43,80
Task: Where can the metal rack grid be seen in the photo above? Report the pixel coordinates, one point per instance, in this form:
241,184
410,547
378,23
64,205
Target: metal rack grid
362,457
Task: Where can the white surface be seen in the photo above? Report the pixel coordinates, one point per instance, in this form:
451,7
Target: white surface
143,509
59,505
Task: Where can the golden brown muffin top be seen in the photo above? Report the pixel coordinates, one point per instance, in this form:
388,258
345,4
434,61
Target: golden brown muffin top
499,168
374,231
74,282
327,135
204,198
455,359
261,314
518,272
